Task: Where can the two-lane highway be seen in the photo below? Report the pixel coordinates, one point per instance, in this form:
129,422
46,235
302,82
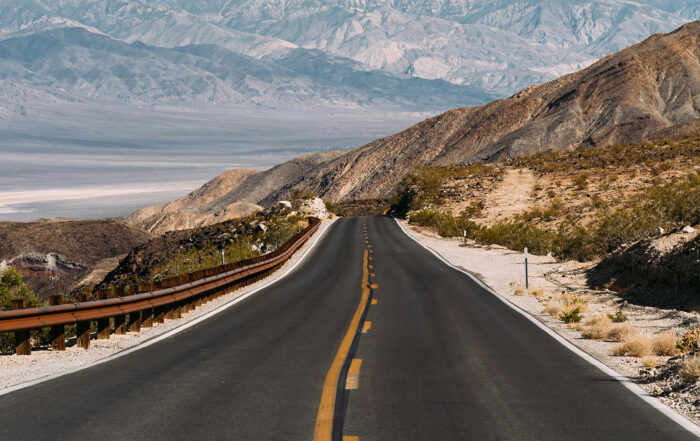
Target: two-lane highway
442,360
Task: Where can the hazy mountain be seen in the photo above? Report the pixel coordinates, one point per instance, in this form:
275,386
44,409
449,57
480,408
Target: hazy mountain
77,63
498,46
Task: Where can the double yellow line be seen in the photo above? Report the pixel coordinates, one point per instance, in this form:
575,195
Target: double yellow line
326,410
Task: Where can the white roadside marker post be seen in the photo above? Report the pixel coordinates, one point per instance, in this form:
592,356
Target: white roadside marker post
465,237
526,282
223,257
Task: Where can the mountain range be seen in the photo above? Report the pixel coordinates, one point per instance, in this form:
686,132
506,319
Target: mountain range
647,91
432,54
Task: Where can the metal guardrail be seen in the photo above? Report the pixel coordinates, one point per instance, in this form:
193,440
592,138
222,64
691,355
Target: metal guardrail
170,298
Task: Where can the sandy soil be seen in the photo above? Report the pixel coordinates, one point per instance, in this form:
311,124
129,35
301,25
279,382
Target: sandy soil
15,369
512,195
504,271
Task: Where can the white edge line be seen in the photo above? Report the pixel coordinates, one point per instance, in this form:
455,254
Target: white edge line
177,330
629,384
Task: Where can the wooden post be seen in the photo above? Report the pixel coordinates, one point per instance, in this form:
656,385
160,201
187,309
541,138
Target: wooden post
22,339
159,314
58,332
147,318
82,334
103,328
170,311
135,321
120,324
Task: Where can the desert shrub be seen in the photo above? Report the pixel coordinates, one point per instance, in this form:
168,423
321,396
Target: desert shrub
329,206
444,223
517,235
689,340
596,328
618,317
690,369
571,314
553,308
621,332
649,361
665,344
536,292
12,287
634,345
581,181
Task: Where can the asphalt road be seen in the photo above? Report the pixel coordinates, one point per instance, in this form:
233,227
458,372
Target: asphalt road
443,360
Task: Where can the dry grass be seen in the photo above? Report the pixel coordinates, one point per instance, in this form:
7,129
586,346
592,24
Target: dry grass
634,346
690,369
665,344
621,332
596,328
689,341
553,308
649,361
536,292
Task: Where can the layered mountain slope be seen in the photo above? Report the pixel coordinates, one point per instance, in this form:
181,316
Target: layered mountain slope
75,63
184,214
626,97
233,194
646,91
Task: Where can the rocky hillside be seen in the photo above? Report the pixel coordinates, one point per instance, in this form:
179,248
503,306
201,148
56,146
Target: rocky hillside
647,91
53,255
233,194
625,97
176,253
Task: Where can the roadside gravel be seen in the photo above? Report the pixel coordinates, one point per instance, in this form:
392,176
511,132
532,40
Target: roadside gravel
43,364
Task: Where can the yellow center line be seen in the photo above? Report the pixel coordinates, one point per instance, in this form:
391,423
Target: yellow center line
326,409
351,438
352,382
375,301
366,327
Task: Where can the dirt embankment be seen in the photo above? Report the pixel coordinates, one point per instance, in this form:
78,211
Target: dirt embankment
54,255
662,271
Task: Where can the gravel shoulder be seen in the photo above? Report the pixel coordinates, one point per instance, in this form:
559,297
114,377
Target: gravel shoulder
504,271
17,369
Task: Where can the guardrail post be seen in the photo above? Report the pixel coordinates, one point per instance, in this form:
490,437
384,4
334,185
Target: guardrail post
82,334
22,338
147,318
120,320
103,327
58,332
135,321
159,314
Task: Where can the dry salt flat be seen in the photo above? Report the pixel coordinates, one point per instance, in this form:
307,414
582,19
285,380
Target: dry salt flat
504,271
18,370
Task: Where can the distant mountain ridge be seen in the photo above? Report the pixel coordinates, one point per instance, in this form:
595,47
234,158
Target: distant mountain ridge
81,64
497,47
648,90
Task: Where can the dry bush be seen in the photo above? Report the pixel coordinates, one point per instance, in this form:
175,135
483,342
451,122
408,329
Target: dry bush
690,369
575,301
665,344
635,346
570,314
596,328
689,341
536,292
553,308
649,361
621,332
519,291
